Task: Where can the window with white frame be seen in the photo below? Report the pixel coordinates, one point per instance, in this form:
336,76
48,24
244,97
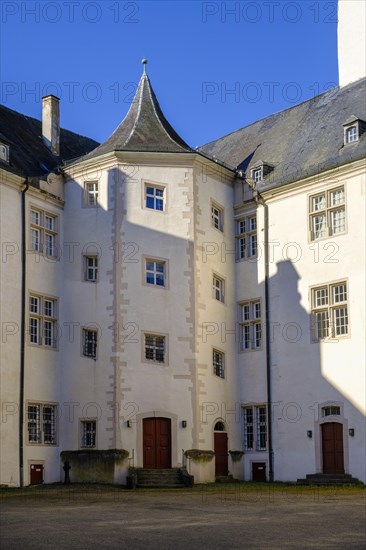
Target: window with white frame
155,272
218,363
43,321
327,213
155,348
250,325
88,434
255,428
91,193
217,217
257,175
246,237
329,308
91,268
90,342
218,286
351,134
155,197
43,232
41,423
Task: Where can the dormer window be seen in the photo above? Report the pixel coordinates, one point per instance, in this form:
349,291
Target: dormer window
259,172
353,129
4,152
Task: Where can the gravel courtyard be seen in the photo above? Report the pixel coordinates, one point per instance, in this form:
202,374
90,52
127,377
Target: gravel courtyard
227,517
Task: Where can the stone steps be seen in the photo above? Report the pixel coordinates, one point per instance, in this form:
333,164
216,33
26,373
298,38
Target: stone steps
329,479
159,478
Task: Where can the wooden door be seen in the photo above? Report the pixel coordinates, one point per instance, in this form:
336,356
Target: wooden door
259,471
332,447
157,443
221,454
36,474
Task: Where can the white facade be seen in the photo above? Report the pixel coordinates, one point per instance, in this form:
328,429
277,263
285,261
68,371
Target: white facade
200,311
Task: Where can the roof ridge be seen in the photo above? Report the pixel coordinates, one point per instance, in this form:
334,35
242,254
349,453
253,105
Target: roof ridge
138,108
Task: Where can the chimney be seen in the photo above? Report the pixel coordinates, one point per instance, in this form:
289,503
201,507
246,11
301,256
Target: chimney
51,123
351,41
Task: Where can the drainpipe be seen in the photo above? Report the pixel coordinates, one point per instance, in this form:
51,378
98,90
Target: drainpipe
22,338
259,200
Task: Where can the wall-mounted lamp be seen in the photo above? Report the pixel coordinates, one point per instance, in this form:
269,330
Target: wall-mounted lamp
351,432
129,424
184,423
309,433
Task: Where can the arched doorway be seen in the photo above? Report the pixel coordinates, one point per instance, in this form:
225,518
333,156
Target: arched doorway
332,448
221,450
157,446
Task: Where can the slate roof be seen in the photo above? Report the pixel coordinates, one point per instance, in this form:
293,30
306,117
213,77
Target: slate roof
300,141
144,128
29,156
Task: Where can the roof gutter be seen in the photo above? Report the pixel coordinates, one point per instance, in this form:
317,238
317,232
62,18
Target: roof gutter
22,338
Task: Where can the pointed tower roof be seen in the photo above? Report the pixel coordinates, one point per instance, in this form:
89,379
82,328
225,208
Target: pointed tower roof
144,128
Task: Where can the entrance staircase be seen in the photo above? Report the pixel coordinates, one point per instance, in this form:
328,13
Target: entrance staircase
329,479
159,478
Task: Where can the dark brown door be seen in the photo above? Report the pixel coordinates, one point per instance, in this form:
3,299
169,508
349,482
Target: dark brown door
332,446
221,465
259,471
157,443
36,474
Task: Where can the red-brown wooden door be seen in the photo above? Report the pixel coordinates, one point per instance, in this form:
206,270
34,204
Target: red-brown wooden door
157,443
221,453
332,447
36,474
259,471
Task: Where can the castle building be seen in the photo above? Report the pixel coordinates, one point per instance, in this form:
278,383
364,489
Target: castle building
167,307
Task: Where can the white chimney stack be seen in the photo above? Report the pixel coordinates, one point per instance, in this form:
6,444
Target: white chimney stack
51,123
351,41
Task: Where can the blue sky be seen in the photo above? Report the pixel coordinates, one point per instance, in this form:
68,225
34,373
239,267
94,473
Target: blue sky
214,66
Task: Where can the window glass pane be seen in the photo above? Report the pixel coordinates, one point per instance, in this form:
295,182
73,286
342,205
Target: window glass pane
34,330
351,134
338,220
340,320
35,217
322,323
318,203
339,293
50,244
49,222
34,424
33,304
319,226
321,297
35,240
337,196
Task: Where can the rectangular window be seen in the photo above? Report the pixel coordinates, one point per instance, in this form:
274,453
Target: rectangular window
88,433
90,342
351,134
246,237
218,286
155,272
218,363
41,420
91,268
327,214
257,174
155,348
255,428
217,217
155,197
329,308
43,232
91,193
43,321
250,325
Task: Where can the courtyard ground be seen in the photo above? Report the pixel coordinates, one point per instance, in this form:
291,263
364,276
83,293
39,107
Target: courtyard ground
230,516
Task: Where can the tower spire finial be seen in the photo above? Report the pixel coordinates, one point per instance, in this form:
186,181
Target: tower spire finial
144,62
